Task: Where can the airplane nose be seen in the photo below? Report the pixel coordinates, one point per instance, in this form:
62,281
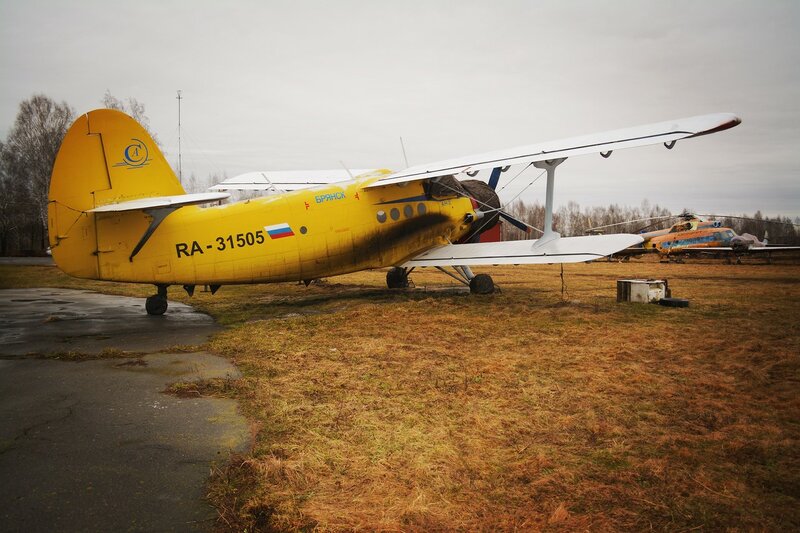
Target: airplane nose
484,200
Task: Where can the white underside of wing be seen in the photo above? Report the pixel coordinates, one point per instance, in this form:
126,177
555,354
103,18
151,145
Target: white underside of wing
562,250
162,201
286,180
663,132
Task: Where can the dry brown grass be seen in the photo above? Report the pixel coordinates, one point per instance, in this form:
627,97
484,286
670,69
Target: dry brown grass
383,410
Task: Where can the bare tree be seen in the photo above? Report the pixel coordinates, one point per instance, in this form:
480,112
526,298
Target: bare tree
134,108
27,160
9,212
112,102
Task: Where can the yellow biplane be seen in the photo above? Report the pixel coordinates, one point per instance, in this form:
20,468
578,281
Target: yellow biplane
117,212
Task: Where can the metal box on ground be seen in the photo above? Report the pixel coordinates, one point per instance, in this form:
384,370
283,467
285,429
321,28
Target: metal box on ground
642,290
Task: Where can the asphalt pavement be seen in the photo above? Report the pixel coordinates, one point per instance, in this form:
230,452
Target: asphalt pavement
96,445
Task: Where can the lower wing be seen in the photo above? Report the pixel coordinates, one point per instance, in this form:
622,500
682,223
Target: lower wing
562,250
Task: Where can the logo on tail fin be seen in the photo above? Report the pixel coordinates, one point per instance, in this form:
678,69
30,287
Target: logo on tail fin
135,155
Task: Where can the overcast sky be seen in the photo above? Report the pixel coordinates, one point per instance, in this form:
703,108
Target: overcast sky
304,85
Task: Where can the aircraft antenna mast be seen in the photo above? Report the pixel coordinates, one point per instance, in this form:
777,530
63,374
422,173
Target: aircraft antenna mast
180,169
347,170
403,146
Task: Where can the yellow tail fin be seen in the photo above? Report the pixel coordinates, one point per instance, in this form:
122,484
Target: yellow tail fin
106,157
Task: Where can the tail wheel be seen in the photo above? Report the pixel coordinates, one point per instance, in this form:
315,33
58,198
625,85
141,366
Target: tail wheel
156,305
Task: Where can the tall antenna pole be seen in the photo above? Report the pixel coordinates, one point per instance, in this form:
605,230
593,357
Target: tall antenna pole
180,169
403,146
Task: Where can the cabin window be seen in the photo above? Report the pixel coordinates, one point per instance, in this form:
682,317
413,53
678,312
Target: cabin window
394,213
381,216
408,211
303,230
421,209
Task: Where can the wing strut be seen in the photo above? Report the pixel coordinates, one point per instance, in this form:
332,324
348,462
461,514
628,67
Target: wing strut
549,233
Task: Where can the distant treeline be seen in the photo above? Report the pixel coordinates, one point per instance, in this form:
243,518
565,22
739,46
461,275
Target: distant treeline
572,220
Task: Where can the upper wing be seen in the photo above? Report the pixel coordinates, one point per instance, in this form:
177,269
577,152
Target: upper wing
285,180
563,250
663,132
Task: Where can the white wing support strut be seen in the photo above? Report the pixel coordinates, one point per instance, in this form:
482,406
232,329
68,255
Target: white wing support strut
549,232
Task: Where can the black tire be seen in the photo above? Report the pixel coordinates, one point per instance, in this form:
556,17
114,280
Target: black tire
481,284
397,278
674,302
155,305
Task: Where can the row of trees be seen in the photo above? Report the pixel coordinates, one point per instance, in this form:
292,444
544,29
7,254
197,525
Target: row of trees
572,220
28,154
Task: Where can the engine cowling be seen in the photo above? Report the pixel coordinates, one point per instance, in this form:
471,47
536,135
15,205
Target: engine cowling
488,203
484,200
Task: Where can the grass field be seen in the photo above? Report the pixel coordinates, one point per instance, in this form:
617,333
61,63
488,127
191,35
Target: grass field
524,410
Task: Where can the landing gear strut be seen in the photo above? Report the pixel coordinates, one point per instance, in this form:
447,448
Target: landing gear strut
480,284
157,303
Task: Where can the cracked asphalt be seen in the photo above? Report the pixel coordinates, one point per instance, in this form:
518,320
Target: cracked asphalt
95,445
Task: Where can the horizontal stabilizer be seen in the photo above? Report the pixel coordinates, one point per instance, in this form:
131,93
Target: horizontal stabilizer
561,250
162,201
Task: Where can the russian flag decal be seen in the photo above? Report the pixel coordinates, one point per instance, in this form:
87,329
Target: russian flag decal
278,231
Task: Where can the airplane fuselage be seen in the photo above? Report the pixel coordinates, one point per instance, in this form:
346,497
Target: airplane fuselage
300,235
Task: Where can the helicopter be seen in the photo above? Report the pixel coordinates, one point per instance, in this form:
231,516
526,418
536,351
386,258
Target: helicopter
692,235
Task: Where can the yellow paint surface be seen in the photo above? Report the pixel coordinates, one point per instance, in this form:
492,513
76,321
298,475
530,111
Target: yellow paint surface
107,158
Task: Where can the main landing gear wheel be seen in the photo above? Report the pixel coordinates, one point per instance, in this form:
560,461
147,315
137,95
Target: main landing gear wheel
481,284
157,303
397,278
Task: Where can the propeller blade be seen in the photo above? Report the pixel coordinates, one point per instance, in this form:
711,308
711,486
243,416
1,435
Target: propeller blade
514,222
495,177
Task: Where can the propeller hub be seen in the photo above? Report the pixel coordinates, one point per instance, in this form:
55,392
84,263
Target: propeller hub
485,202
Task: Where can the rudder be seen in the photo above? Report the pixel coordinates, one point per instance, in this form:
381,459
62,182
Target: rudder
106,157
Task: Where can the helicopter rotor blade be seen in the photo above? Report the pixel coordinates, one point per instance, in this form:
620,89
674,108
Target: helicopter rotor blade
662,217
